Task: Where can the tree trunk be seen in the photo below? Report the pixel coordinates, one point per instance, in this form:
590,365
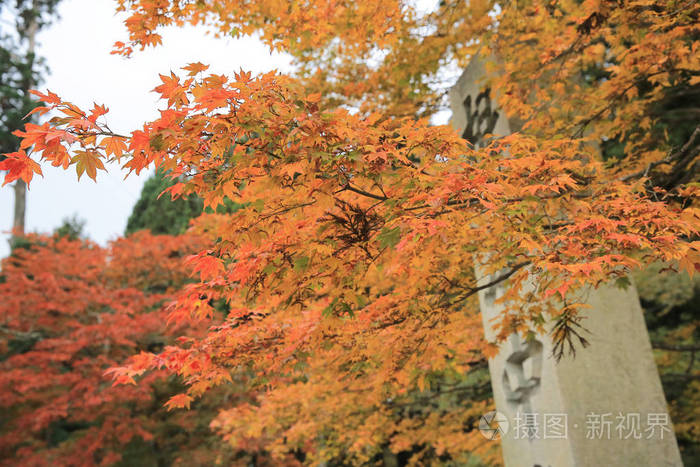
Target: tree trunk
20,208
20,213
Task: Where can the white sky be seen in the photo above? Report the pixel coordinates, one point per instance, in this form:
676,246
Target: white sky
82,70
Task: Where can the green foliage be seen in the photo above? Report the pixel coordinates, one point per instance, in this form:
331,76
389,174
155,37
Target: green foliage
161,215
671,302
674,117
20,69
15,74
20,242
663,291
71,228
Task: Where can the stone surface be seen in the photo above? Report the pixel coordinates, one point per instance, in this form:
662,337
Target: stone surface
474,109
603,407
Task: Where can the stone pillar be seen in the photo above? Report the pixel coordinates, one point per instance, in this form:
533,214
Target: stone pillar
603,407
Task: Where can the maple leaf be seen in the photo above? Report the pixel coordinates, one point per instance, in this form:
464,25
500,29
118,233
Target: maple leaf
37,110
172,90
175,191
49,97
19,165
33,135
178,402
121,376
208,266
114,145
87,162
690,262
313,98
194,68
97,112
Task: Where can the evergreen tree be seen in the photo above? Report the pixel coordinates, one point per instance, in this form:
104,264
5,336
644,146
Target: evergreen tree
161,215
20,71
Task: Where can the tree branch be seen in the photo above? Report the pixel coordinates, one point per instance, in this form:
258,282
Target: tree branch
363,192
675,348
684,152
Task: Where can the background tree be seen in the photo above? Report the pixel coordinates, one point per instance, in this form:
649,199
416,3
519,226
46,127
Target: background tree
163,215
20,71
160,214
670,301
72,228
70,311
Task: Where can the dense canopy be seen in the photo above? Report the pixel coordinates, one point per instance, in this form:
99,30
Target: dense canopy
346,279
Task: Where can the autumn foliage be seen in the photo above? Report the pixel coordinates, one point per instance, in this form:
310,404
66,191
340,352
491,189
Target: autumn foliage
70,311
347,276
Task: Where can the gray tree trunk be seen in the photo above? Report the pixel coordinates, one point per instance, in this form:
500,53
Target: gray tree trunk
20,213
20,208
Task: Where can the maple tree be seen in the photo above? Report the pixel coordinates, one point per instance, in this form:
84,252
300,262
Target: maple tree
70,311
347,276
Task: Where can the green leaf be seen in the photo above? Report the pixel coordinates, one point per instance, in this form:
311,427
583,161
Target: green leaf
623,282
258,205
301,263
389,237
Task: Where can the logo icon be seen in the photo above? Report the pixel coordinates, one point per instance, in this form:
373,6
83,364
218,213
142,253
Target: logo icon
493,425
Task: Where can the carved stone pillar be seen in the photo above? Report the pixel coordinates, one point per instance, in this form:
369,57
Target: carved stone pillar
606,406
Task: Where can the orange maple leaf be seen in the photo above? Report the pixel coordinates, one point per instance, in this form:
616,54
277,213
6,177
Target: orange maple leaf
179,401
87,162
19,165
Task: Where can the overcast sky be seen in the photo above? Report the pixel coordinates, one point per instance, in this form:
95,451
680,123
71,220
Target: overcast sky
82,70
